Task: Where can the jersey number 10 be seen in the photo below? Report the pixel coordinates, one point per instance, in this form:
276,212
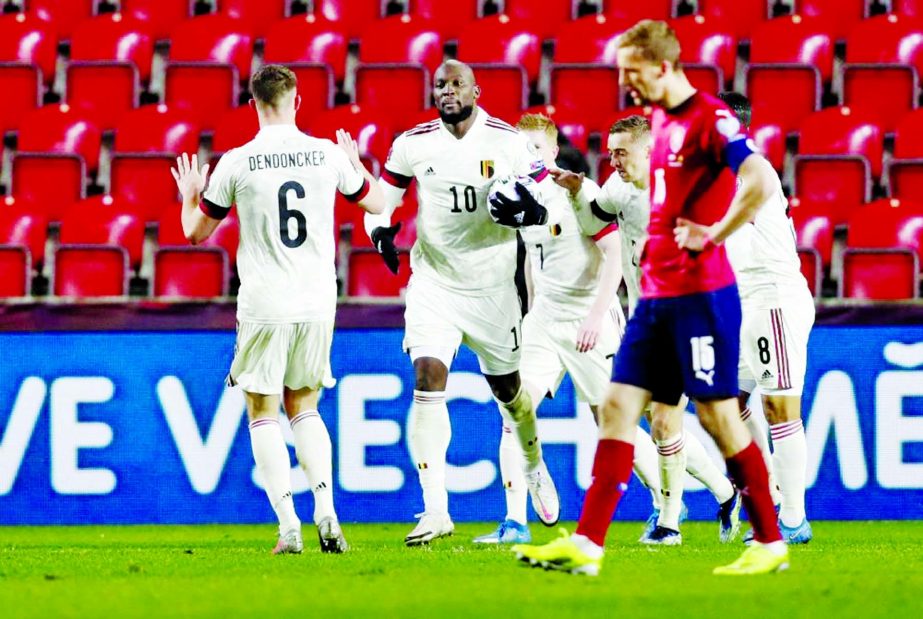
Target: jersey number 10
286,215
471,199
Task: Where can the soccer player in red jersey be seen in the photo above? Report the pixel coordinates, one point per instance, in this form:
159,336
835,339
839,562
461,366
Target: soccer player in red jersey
684,335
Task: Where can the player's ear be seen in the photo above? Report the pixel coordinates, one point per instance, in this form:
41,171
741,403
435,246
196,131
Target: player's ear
477,92
252,103
297,102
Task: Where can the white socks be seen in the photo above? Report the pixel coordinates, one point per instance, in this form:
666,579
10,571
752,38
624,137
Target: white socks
704,469
514,479
429,433
315,455
759,435
672,458
790,455
645,465
271,457
519,416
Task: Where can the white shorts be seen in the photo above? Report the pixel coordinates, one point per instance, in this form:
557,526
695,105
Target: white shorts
270,356
774,345
550,350
491,326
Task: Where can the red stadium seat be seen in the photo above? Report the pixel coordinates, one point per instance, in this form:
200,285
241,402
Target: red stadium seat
112,37
840,182
226,236
843,131
744,15
63,15
402,39
500,39
393,88
908,136
213,38
547,16
786,93
450,17
30,40
593,38
49,181
234,129
888,223
15,271
354,17
20,224
863,85
708,42
907,8
887,39
22,93
373,131
207,90
794,39
570,84
633,11
161,16
90,271
837,16
880,274
811,269
100,221
814,227
905,179
106,90
369,277
770,138
570,122
316,87
191,272
256,15
705,77
143,183
307,39
157,129
61,129
504,89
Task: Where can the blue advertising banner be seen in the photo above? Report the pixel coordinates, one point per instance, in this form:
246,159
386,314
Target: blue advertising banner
134,427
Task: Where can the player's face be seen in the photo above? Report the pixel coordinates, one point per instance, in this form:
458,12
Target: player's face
542,143
630,157
454,92
642,78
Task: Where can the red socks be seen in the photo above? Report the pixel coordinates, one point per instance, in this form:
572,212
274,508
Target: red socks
611,472
748,472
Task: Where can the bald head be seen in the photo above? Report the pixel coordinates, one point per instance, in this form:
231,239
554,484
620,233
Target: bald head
454,91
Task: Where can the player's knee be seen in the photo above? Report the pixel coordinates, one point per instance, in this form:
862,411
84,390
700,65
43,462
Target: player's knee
431,374
661,426
506,387
779,409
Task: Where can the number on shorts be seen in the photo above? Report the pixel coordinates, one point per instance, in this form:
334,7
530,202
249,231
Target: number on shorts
541,256
660,186
703,358
515,332
471,199
286,214
762,345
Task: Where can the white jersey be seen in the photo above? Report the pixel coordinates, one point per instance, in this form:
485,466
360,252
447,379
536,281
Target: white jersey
458,245
565,262
284,184
763,254
632,208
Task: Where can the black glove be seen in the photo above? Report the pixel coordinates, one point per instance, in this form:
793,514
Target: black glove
383,239
526,211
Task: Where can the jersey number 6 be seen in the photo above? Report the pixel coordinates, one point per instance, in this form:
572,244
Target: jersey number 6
285,215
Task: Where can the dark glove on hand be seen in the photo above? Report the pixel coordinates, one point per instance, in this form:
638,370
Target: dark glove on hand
526,211
383,239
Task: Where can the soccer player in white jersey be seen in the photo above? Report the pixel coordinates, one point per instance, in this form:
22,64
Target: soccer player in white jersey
624,198
461,289
284,184
778,313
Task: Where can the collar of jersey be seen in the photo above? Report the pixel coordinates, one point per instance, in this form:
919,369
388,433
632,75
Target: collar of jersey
479,121
280,129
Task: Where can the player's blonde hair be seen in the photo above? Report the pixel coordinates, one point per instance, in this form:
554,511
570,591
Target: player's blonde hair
271,82
539,122
638,126
654,40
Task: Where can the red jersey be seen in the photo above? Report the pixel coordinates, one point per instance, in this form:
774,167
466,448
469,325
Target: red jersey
697,149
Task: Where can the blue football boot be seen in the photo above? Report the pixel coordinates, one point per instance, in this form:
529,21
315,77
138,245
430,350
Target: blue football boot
508,532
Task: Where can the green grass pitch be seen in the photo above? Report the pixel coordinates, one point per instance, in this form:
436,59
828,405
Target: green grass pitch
855,569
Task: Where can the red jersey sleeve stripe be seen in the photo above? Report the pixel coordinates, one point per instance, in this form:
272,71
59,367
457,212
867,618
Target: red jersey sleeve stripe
609,229
398,180
213,210
363,191
539,175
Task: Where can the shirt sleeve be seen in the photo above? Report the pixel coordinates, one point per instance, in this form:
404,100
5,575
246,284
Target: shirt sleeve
726,140
397,170
221,193
583,203
350,181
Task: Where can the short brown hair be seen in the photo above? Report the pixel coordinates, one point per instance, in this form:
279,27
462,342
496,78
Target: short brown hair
270,82
539,122
654,40
638,126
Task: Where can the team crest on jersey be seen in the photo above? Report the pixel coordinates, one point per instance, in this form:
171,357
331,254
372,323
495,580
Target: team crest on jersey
677,137
487,168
